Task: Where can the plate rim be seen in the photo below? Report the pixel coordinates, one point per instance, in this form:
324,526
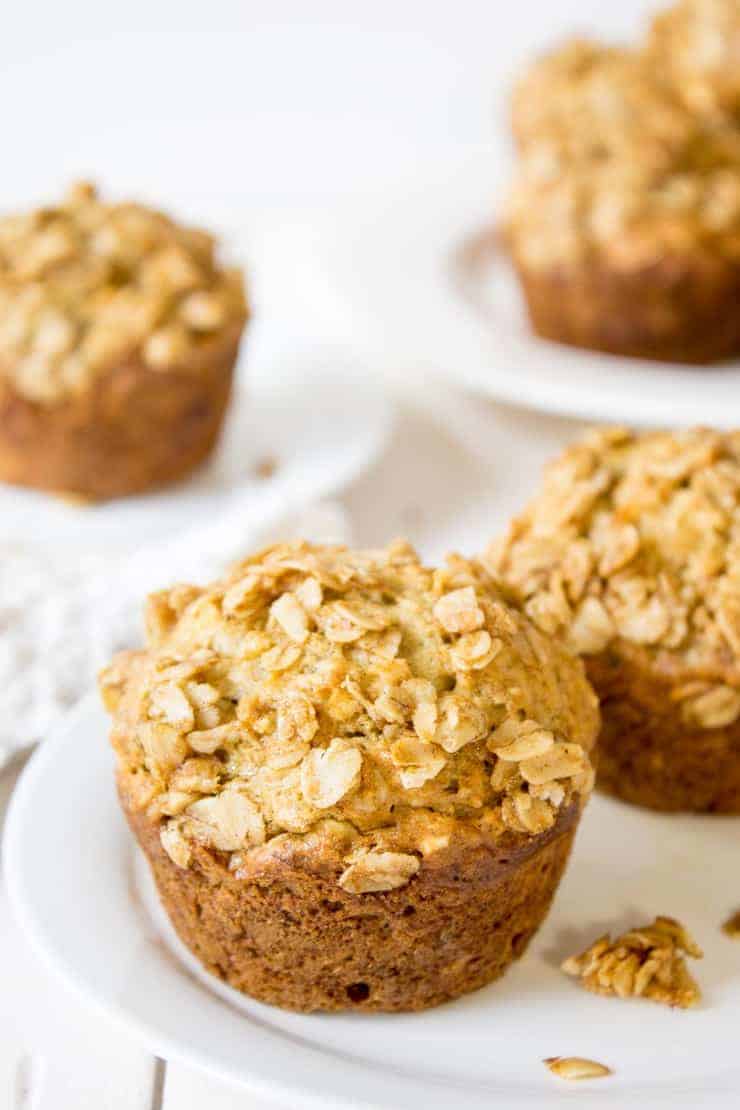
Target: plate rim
479,165
324,364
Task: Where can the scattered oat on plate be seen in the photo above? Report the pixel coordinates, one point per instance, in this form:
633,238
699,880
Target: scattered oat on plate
732,926
646,962
576,1067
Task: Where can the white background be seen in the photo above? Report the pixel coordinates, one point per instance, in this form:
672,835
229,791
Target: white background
272,110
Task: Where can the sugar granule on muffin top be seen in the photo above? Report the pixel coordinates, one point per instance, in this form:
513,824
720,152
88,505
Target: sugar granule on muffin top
359,687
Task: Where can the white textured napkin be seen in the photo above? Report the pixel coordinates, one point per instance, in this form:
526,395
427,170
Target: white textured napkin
63,616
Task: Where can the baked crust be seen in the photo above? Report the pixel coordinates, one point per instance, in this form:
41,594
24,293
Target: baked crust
134,429
672,310
289,935
647,754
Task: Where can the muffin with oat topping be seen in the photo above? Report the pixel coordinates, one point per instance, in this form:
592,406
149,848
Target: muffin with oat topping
119,332
618,255
356,779
631,552
623,219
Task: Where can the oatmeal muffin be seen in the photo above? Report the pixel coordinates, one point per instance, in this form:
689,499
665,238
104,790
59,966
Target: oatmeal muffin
697,44
620,257
119,332
356,779
631,552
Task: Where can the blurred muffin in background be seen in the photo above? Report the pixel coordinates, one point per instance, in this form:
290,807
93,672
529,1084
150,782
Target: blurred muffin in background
624,215
620,257
697,43
585,101
119,332
631,553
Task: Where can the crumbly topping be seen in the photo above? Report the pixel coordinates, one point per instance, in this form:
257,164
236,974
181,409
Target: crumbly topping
635,540
585,101
647,962
87,284
316,691
698,43
625,212
615,165
576,1067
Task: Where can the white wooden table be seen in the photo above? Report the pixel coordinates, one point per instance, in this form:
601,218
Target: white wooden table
55,1054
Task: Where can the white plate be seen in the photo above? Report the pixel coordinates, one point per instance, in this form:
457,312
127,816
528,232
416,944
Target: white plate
70,867
318,417
392,267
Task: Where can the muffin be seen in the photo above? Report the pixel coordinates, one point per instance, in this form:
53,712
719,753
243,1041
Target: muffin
356,780
697,43
617,256
119,332
631,553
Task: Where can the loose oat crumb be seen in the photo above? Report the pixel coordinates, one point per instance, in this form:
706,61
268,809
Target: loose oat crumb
576,1067
731,927
265,467
646,962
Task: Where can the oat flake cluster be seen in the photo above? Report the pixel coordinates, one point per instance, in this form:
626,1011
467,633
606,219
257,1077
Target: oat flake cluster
636,540
646,962
87,284
354,697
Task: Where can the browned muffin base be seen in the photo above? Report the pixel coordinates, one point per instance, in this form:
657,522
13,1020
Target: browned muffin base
670,312
292,937
135,429
648,756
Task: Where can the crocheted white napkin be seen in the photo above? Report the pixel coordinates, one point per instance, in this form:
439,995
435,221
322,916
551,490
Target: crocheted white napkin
63,616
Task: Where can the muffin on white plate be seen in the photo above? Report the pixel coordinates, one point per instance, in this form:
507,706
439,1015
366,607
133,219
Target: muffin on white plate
356,779
119,332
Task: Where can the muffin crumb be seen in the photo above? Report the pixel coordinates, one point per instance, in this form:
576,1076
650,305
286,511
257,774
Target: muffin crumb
576,1067
645,962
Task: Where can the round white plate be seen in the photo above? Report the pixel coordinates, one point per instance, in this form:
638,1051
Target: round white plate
296,431
71,872
394,268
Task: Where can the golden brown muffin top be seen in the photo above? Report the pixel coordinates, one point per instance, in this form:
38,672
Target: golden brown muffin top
351,695
633,542
626,215
698,44
619,165
88,284
586,101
